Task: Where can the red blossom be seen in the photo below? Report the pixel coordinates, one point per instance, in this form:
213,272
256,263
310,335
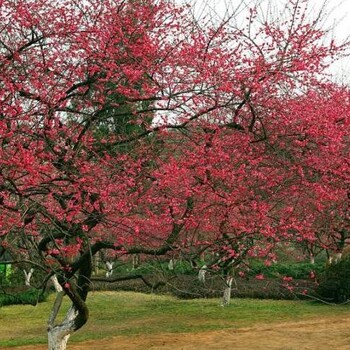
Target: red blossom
260,277
129,126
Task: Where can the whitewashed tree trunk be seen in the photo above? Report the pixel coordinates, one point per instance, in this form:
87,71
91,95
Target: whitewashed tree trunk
57,286
312,259
227,292
57,340
109,268
201,274
171,265
136,261
27,276
76,288
96,261
334,258
58,335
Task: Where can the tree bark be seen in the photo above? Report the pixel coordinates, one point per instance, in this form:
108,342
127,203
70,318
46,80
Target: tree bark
136,261
171,265
202,272
58,335
109,267
77,290
57,286
227,291
96,261
312,259
28,276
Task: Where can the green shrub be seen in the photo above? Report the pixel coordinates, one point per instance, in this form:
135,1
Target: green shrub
334,283
162,267
30,296
299,270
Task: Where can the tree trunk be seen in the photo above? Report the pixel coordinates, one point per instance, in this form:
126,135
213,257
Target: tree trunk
57,286
28,276
202,272
171,265
76,287
76,316
95,263
227,292
312,259
109,268
334,258
57,340
136,261
58,335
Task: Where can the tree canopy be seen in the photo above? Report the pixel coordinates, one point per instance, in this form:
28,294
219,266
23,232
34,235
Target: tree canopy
132,127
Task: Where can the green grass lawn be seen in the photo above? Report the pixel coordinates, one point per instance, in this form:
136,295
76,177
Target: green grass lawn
127,313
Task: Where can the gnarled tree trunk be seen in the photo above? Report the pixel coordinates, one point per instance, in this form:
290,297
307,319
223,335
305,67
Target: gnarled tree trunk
78,314
58,335
76,317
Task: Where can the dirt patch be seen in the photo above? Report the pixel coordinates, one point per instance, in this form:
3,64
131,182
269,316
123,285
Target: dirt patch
323,334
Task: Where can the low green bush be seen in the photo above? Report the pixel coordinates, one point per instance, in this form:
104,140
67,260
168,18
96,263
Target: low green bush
301,270
157,267
334,282
30,296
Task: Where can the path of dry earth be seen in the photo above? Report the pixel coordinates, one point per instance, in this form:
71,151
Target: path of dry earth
323,334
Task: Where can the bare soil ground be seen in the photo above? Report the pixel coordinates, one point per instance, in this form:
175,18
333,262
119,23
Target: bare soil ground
324,334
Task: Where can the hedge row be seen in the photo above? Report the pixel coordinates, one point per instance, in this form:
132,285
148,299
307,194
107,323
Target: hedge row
300,270
30,296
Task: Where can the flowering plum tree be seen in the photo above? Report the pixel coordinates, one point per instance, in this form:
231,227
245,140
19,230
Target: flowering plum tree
128,126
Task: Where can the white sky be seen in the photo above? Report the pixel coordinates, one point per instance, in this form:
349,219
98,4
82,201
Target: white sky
340,16
337,16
